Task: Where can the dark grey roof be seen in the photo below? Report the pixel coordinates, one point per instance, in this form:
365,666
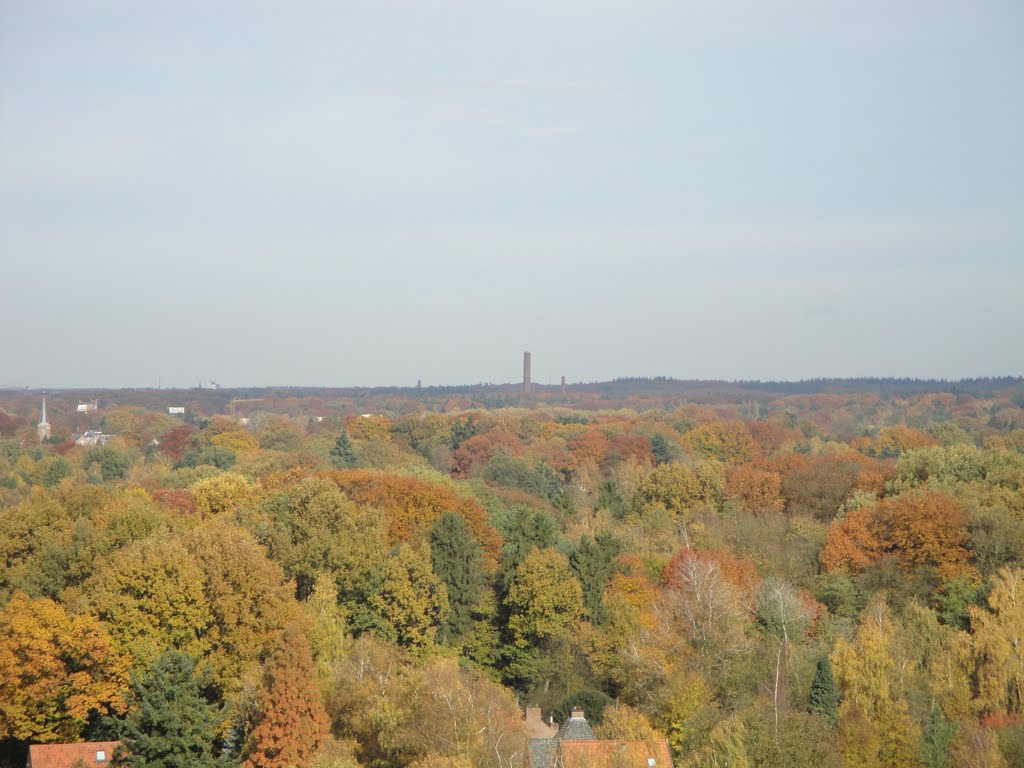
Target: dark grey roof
542,752
575,729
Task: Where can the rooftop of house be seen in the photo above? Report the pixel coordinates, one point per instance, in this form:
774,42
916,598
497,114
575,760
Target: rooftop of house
576,728
612,754
574,745
91,754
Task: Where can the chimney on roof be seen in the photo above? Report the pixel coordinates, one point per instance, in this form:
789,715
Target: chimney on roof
533,715
577,713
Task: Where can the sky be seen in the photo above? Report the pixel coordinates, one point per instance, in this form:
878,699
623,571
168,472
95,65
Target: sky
375,192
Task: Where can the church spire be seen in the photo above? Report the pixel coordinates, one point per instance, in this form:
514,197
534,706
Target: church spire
43,427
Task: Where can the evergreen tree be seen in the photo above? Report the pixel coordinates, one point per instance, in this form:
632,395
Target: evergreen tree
526,530
661,450
292,721
593,562
825,692
938,733
457,561
343,455
170,723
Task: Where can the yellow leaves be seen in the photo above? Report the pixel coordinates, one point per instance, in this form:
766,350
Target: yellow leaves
237,440
150,594
999,644
866,672
411,598
624,723
546,599
221,493
54,671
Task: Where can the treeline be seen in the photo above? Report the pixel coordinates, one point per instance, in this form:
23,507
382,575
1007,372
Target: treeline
800,580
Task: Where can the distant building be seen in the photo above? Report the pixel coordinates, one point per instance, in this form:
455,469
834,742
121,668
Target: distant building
175,410
574,745
91,754
43,427
92,438
90,407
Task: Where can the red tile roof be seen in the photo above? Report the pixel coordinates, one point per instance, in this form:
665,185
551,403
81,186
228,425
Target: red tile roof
67,755
599,753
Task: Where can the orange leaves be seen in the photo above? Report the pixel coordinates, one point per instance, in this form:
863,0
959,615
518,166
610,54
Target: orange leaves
851,545
919,528
756,489
475,452
892,441
413,506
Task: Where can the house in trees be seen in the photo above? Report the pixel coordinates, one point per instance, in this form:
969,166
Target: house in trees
574,745
89,754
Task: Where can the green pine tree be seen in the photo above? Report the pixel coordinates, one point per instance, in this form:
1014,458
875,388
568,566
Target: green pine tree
661,450
938,733
593,562
170,723
825,692
343,455
457,561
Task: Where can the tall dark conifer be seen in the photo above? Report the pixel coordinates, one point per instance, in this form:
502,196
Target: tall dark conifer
343,455
457,560
825,692
170,723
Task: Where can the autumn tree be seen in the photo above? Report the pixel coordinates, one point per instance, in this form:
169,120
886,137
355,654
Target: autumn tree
999,644
151,596
313,528
247,595
411,600
220,493
546,599
55,671
170,722
866,671
920,528
113,464
758,490
292,720
544,607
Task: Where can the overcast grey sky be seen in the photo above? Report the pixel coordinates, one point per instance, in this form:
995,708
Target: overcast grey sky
364,193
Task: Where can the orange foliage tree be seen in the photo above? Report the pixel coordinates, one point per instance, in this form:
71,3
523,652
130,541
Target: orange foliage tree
55,671
293,722
757,490
413,506
475,452
919,528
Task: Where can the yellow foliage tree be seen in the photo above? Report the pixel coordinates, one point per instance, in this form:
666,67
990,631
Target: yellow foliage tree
221,493
866,672
55,671
999,644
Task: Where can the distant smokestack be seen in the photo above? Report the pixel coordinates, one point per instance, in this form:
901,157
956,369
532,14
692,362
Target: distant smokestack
563,385
526,373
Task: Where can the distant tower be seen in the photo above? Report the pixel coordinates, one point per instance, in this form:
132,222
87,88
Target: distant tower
563,385
526,373
43,427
